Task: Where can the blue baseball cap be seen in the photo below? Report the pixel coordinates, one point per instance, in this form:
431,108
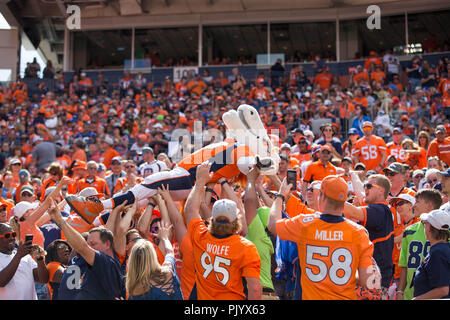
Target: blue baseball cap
353,131
445,173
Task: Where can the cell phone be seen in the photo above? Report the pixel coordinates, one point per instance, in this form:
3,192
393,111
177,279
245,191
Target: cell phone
292,178
28,237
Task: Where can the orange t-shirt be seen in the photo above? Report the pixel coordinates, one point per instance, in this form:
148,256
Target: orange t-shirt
79,155
107,156
330,251
369,152
295,207
323,79
52,267
221,264
316,171
440,149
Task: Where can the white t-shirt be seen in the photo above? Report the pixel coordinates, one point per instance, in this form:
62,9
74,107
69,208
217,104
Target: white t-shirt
148,168
21,286
392,63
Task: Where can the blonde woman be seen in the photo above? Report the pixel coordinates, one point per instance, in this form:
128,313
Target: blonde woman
416,156
148,280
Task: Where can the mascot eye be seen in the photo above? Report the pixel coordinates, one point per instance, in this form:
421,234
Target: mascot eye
251,112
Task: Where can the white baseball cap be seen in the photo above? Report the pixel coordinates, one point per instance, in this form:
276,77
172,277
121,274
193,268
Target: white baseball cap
90,191
439,219
24,206
225,208
404,196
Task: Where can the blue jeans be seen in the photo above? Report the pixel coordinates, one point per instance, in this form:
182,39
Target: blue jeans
413,84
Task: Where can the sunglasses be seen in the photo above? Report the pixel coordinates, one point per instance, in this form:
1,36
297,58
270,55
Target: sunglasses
311,189
134,240
62,247
325,152
129,167
302,142
369,186
390,173
432,181
8,235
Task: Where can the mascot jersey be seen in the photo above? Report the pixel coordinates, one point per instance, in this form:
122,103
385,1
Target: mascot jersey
225,157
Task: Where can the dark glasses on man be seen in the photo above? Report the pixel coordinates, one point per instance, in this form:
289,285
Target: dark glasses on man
390,173
8,235
369,186
432,181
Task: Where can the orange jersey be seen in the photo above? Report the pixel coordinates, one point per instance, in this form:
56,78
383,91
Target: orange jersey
330,250
107,157
323,79
301,156
317,171
440,149
259,94
417,161
223,155
369,152
221,264
98,183
187,275
397,151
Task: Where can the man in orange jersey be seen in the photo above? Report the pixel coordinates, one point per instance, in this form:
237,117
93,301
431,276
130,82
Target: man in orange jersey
395,147
440,146
370,149
108,152
92,180
319,169
223,258
332,249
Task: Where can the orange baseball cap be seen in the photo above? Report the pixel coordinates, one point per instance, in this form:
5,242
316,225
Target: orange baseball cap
325,147
79,165
334,187
367,124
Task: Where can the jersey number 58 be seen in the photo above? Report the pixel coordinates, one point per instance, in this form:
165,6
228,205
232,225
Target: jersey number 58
341,259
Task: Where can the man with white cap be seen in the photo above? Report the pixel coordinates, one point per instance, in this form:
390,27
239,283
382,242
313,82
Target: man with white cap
414,245
222,257
432,278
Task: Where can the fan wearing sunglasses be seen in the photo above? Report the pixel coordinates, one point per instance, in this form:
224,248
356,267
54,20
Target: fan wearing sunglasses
376,217
18,270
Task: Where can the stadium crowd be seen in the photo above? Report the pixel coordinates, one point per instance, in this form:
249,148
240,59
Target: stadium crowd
370,152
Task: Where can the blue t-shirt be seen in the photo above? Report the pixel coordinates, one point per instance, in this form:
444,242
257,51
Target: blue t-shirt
168,291
103,280
434,271
380,226
71,280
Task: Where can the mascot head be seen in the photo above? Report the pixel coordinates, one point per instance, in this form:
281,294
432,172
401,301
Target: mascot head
245,126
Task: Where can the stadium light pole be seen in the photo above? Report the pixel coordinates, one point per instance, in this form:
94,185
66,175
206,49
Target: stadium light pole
66,61
338,39
406,30
133,42
268,42
200,45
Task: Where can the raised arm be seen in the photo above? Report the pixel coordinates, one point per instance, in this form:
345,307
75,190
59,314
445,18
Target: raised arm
277,206
175,217
229,193
192,206
73,237
353,212
144,221
122,226
251,199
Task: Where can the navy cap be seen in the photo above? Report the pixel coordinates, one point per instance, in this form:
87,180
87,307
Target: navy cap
445,173
353,131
